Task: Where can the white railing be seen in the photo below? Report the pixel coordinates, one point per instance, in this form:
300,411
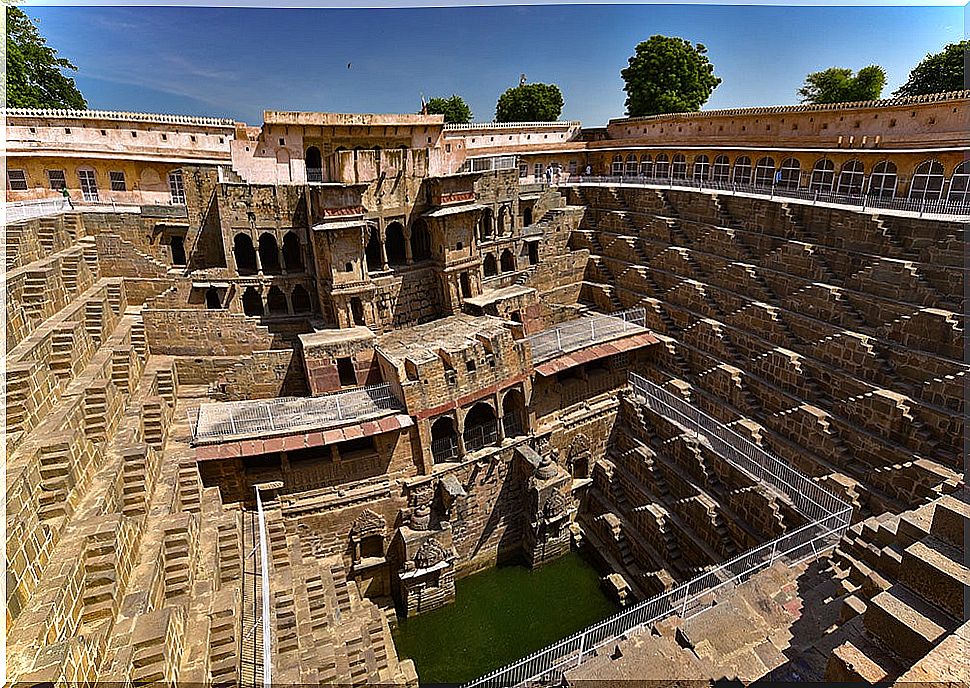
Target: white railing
582,332
489,163
938,206
830,519
264,581
17,211
219,421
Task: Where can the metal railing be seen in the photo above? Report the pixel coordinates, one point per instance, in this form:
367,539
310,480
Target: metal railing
830,519
256,658
938,206
255,418
482,435
582,332
475,437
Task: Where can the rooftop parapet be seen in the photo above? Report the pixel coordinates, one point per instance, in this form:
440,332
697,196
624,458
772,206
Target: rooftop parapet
153,118
821,107
342,119
234,420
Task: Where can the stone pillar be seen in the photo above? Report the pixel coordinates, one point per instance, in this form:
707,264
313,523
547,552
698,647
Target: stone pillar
279,249
259,260
501,420
289,302
384,265
409,258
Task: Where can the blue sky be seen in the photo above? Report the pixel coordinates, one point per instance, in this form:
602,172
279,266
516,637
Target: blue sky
236,62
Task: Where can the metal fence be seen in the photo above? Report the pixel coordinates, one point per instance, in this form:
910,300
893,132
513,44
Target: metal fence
830,519
937,206
219,421
581,332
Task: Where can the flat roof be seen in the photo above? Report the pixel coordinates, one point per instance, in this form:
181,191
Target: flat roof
584,332
454,333
350,119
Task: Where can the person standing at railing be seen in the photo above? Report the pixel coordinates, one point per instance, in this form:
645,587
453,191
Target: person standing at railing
67,196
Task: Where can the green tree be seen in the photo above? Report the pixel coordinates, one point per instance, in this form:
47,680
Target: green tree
668,75
938,73
529,103
455,109
838,85
34,77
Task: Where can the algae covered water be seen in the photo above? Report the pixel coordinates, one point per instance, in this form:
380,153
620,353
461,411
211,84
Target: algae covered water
501,615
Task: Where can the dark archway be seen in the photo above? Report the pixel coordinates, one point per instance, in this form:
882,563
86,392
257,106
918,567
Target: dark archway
242,249
487,225
276,301
508,261
301,300
212,299
375,262
490,265
357,310
444,440
178,250
513,413
527,217
466,285
420,241
292,253
394,244
252,302
314,165
269,254
481,428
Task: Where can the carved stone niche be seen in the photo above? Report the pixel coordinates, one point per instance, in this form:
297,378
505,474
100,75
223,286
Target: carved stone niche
425,579
369,566
550,507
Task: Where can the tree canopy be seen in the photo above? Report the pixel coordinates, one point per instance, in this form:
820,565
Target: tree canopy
529,103
668,74
34,76
938,73
838,85
455,109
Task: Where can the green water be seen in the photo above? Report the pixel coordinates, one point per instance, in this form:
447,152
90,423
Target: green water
501,615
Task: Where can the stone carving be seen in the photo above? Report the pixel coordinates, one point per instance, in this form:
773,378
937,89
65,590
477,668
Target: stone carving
429,554
555,506
367,523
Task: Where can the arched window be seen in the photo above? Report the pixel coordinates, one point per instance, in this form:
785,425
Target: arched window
678,167
420,241
252,302
742,170
444,440
480,427
721,171
646,165
617,165
662,166
314,165
394,244
823,175
790,173
276,301
764,172
508,261
927,181
702,167
882,181
487,221
851,178
212,299
375,263
301,300
631,165
292,253
269,253
959,190
242,249
490,265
